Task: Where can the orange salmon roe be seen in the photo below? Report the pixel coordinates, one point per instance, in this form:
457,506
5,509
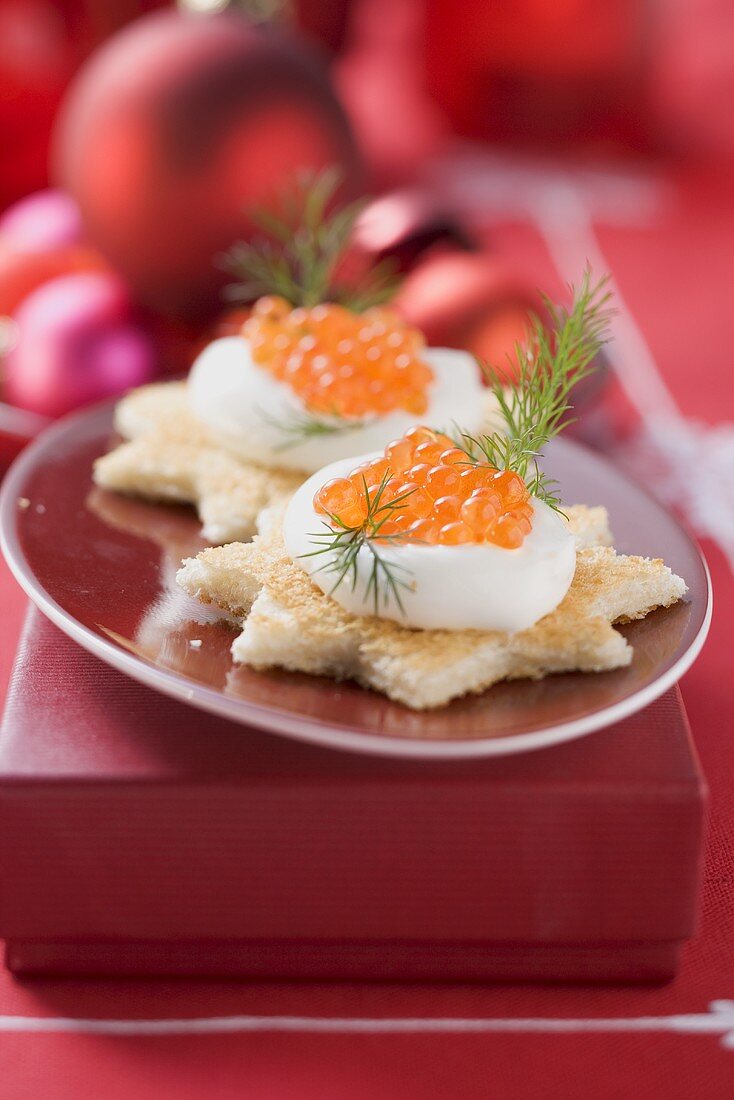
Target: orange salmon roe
446,499
346,364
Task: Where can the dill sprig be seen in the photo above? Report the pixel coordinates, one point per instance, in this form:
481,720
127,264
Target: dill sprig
546,369
300,248
342,545
299,426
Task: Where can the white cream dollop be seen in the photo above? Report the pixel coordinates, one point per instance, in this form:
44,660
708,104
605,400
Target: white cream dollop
243,403
476,586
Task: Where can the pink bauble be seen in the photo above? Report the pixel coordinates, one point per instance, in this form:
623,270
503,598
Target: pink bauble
178,126
76,341
42,221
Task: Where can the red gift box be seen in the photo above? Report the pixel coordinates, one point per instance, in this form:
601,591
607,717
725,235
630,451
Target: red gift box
141,836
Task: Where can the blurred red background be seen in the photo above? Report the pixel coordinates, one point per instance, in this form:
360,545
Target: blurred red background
633,76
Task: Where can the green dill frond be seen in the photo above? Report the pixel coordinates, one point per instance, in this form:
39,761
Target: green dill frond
300,247
545,370
552,363
342,544
546,489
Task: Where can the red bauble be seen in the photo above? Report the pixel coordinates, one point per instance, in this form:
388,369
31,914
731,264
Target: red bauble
472,301
177,126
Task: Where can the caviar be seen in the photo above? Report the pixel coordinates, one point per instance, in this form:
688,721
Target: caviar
341,363
438,495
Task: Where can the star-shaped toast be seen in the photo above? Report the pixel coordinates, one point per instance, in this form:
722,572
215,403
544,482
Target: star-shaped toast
170,456
290,623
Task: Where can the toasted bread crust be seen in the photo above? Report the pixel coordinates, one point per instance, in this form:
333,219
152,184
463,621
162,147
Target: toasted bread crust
171,457
291,624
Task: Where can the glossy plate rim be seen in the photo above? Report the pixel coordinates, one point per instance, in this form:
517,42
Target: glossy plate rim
302,727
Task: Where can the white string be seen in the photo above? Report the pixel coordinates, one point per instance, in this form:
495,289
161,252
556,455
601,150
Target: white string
719,1020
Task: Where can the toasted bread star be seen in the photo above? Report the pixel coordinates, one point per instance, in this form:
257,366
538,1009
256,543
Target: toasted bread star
170,456
291,624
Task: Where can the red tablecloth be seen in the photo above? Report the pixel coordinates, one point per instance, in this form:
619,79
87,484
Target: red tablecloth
380,1041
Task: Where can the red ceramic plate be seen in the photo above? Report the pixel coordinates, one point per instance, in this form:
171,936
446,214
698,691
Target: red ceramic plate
102,568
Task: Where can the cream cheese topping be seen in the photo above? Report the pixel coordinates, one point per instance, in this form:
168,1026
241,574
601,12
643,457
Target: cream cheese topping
476,586
243,405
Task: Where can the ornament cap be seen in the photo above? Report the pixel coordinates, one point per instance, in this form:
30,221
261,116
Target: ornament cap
259,11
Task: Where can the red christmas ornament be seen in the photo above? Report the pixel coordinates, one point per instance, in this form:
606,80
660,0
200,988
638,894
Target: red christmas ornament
472,301
177,126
